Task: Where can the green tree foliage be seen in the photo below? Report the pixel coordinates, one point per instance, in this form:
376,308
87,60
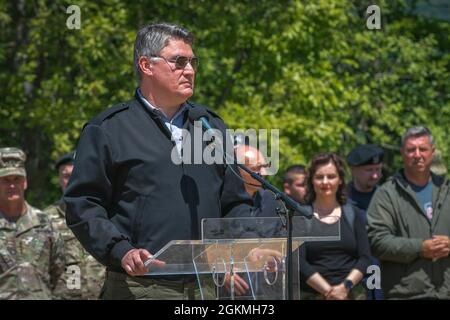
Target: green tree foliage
310,68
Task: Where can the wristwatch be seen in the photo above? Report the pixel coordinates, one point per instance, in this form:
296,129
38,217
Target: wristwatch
348,284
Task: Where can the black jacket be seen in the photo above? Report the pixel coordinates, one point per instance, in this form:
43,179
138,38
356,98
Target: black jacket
125,192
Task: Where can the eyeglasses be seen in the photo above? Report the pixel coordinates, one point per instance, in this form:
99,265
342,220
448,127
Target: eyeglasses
259,167
181,61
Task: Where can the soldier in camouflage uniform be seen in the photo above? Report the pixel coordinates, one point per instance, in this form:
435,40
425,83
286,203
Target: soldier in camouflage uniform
84,276
32,255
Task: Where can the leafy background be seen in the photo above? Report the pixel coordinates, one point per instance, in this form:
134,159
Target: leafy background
309,68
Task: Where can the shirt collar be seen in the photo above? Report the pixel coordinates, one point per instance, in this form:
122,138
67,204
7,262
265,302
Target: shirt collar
183,107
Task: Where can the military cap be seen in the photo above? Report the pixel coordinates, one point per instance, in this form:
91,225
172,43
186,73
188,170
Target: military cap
12,162
65,159
365,154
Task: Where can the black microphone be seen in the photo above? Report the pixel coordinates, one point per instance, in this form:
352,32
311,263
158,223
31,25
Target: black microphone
199,114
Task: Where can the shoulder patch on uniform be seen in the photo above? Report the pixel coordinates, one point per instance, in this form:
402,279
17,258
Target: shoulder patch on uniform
43,218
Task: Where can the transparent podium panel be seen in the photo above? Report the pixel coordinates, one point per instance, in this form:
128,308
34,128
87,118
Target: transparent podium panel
243,258
246,270
267,275
303,229
176,258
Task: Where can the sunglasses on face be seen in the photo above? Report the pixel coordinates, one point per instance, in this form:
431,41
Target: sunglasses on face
181,62
259,167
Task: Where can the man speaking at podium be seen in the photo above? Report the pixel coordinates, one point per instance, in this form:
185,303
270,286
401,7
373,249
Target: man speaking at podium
127,198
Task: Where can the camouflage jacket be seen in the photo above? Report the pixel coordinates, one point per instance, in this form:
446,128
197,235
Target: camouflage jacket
32,256
84,276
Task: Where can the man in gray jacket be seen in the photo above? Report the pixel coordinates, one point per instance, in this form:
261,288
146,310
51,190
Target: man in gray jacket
409,225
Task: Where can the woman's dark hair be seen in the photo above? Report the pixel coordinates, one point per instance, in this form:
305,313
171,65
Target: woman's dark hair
320,160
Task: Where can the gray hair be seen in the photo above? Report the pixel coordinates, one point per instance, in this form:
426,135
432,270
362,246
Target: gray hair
418,131
152,38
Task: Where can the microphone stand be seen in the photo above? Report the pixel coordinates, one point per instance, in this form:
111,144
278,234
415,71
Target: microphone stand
290,207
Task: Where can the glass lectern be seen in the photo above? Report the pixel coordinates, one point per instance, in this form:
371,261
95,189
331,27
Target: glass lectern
250,250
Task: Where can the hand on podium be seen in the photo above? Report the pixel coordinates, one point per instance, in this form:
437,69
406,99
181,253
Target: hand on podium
240,285
137,262
270,258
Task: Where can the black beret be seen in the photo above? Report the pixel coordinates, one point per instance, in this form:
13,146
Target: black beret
365,154
65,159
